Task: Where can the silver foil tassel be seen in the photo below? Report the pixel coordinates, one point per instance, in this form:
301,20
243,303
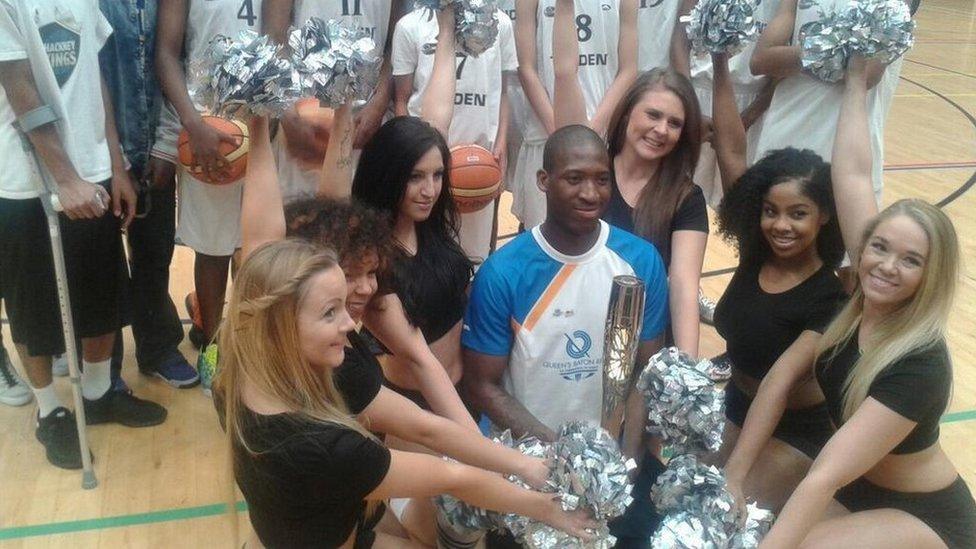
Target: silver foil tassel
701,511
243,76
722,26
335,62
625,319
475,22
684,407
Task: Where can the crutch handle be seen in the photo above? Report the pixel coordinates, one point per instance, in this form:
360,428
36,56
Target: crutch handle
56,203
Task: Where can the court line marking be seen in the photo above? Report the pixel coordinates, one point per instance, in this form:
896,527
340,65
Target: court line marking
205,511
938,68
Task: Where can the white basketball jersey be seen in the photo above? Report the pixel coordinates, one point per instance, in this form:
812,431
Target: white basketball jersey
655,25
477,97
371,15
209,18
598,30
746,84
804,110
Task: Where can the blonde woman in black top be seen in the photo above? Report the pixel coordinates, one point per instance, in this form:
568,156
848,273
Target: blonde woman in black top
882,480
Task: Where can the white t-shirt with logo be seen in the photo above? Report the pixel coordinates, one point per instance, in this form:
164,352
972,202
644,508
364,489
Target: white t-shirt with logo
477,97
547,311
598,31
61,40
655,25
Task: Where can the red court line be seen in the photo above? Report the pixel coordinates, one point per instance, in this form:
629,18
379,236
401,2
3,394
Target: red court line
930,166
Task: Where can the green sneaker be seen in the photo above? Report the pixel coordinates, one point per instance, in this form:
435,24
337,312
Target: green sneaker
207,367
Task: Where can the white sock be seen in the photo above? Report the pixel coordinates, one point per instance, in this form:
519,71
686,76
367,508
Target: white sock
96,378
47,399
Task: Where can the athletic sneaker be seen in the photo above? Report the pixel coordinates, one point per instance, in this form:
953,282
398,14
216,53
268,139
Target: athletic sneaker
706,308
207,366
59,435
123,408
59,365
176,371
13,391
196,335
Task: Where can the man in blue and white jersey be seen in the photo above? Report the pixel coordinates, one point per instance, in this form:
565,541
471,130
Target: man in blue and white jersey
534,329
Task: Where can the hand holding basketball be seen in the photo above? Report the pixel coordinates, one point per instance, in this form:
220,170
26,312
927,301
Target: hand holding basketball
214,149
307,130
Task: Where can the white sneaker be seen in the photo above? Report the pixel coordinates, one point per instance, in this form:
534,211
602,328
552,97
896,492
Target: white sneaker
706,308
13,391
59,365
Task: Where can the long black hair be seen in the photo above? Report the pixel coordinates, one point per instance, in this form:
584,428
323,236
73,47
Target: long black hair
384,171
381,180
741,208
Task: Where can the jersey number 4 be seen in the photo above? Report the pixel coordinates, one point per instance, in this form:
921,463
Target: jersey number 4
246,13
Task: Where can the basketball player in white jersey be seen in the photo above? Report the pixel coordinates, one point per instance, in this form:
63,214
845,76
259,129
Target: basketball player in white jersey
209,215
804,109
656,20
598,26
481,112
299,161
752,95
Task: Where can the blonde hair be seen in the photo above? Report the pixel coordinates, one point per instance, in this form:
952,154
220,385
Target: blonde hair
918,323
258,343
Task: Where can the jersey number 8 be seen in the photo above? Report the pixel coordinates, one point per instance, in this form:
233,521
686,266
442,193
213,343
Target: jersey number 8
583,30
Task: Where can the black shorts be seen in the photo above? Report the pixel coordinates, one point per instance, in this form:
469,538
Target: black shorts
950,512
807,430
96,275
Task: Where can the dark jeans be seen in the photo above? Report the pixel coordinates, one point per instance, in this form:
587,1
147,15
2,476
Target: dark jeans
156,325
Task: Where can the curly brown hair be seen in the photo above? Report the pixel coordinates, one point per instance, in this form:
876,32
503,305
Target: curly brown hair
349,228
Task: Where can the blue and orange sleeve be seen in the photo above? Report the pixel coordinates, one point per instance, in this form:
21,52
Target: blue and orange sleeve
488,319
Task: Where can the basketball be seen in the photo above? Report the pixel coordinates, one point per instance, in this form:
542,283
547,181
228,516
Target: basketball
236,155
476,179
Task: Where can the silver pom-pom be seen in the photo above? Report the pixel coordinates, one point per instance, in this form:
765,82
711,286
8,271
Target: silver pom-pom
243,76
475,22
336,63
757,526
477,25
881,29
683,405
701,511
587,472
722,26
587,463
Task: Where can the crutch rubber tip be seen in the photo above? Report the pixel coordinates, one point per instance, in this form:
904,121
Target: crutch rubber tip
88,480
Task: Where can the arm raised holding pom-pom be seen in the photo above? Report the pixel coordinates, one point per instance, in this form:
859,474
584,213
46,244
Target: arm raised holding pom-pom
729,138
262,211
437,106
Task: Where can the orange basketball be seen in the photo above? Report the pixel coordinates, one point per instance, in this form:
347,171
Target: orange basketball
236,155
476,178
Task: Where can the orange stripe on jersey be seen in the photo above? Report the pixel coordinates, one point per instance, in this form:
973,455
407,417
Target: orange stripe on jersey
540,306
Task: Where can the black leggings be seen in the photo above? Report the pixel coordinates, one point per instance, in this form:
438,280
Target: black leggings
950,512
807,429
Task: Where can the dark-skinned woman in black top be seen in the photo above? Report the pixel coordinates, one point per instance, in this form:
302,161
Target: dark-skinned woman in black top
779,214
882,480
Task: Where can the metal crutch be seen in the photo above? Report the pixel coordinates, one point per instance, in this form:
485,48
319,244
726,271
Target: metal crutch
27,123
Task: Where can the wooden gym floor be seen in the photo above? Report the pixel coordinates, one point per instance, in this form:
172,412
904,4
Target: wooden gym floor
164,487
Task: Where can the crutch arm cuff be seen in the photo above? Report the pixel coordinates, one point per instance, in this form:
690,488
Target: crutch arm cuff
33,119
